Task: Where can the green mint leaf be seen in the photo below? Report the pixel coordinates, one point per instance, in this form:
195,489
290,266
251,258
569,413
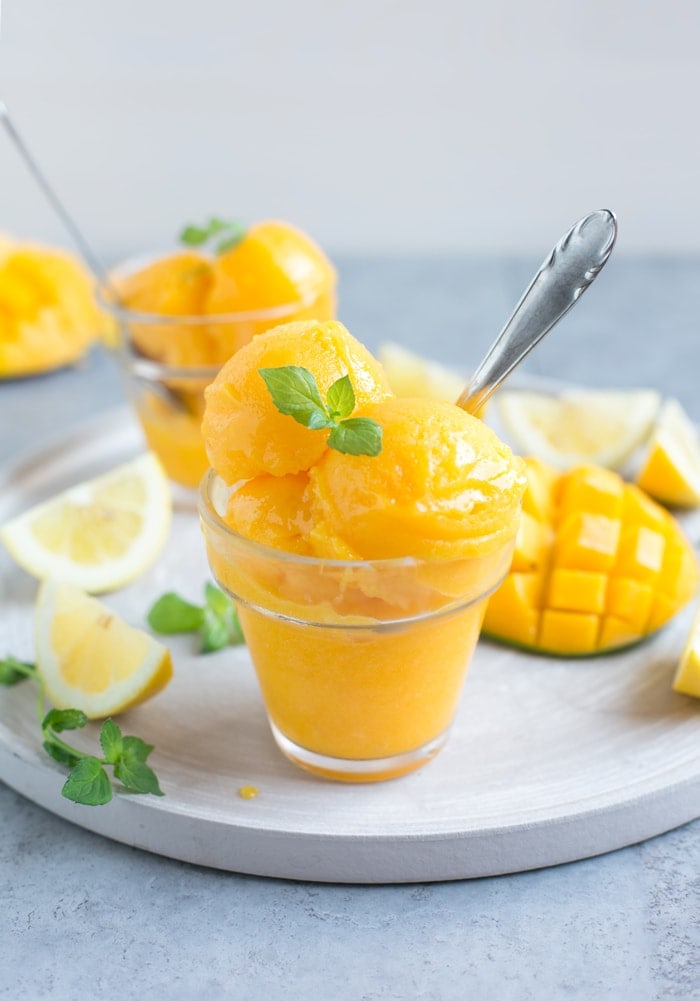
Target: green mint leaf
235,631
231,233
357,436
135,749
295,393
215,634
64,719
234,237
217,226
131,768
221,607
172,614
13,671
341,398
111,741
138,777
217,599
88,783
194,236
61,754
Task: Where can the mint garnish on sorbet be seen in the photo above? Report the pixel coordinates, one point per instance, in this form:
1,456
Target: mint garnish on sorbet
222,234
295,392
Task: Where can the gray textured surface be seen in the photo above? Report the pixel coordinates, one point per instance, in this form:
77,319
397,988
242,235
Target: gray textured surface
82,916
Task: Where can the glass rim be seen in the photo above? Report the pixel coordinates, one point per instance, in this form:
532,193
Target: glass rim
209,515
108,300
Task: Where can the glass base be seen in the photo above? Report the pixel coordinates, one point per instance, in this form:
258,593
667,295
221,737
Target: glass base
362,769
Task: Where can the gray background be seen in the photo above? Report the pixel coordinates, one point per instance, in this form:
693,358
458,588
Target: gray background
377,125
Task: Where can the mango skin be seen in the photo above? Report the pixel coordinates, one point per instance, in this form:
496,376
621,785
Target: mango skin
598,566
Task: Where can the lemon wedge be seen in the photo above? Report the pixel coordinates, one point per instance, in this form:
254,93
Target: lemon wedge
600,427
687,676
411,374
670,469
89,658
100,534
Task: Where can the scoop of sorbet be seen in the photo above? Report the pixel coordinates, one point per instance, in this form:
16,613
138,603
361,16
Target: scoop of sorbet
244,432
444,486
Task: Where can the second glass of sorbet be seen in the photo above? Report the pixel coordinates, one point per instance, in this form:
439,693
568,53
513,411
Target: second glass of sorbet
361,663
180,315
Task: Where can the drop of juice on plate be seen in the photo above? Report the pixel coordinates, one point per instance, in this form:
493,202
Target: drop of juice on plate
248,792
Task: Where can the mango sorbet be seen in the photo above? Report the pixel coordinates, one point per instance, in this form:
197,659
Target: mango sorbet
443,487
244,432
179,317
361,579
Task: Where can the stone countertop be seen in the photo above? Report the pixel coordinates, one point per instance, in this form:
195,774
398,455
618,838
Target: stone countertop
85,917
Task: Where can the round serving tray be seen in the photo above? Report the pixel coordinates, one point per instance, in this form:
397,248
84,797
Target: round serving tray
549,760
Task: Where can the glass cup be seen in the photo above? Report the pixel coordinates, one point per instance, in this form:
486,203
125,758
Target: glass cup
360,664
167,361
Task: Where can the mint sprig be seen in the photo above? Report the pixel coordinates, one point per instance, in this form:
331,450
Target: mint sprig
295,393
216,620
222,235
88,782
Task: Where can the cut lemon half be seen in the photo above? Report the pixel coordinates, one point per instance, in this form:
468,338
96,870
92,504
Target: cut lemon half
687,677
411,374
100,534
670,469
89,658
599,427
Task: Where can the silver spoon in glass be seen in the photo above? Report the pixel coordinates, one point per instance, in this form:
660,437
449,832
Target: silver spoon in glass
561,280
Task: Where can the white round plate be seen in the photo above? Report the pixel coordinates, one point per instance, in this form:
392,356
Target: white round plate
549,760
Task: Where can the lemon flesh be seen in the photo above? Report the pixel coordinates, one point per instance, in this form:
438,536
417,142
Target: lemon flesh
670,469
687,676
99,534
599,427
91,659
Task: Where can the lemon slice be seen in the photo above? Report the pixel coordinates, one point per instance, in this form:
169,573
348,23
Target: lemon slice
670,469
687,676
89,658
100,534
602,427
411,374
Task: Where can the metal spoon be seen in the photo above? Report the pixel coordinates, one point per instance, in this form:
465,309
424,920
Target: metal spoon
93,261
560,282
97,268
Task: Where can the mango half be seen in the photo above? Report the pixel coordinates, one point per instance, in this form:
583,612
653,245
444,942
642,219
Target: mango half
598,566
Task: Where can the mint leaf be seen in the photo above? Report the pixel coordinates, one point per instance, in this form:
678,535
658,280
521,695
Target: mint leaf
221,625
230,233
214,632
13,671
357,436
194,236
341,397
217,599
111,741
62,754
295,393
172,614
131,768
64,719
216,621
232,240
88,783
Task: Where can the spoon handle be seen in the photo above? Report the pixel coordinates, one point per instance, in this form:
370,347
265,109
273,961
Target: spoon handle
562,279
91,258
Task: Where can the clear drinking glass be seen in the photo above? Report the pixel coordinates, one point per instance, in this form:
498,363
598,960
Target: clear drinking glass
360,664
167,361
